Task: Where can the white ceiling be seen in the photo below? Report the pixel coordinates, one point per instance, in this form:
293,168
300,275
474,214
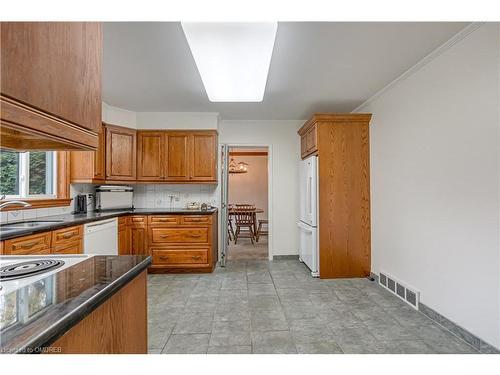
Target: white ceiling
316,67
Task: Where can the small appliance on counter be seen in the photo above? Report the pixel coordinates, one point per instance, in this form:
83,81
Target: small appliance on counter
193,205
114,197
80,203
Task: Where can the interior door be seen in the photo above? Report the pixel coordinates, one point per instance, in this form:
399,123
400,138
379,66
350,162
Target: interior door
224,202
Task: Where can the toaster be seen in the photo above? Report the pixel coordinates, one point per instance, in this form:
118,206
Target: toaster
114,197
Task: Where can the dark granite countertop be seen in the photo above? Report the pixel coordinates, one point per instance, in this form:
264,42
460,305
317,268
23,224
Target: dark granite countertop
69,296
67,220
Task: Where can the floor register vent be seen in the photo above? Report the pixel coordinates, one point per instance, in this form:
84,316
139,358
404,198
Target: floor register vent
407,294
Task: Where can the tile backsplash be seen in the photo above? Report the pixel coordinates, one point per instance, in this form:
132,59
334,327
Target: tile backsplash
145,196
173,196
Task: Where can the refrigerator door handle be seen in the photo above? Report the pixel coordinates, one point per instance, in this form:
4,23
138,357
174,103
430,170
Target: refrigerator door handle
309,196
305,227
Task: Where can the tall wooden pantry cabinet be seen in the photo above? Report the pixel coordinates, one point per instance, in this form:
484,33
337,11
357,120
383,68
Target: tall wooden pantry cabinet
341,143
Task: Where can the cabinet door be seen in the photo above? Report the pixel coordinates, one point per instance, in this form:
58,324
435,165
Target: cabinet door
203,149
54,67
88,166
120,153
150,155
99,158
138,240
311,140
177,156
124,247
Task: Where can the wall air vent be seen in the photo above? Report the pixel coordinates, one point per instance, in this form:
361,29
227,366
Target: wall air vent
409,295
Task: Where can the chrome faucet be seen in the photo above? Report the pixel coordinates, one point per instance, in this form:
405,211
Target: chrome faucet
12,203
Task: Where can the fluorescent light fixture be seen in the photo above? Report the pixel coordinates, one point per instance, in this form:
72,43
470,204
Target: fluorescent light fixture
233,58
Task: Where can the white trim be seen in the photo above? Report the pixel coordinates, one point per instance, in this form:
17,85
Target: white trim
461,35
270,177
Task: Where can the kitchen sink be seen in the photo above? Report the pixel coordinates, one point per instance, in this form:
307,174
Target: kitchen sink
28,224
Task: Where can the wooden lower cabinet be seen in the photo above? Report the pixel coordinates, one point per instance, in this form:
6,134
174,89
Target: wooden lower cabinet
33,244
182,243
177,243
138,242
61,241
118,326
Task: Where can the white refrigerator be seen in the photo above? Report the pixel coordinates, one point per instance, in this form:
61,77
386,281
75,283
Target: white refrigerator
308,219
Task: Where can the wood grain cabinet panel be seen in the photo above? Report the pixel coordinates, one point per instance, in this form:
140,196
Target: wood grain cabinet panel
150,160
203,157
118,326
177,156
34,244
341,142
184,256
164,220
138,243
120,153
89,166
179,235
70,247
51,84
60,236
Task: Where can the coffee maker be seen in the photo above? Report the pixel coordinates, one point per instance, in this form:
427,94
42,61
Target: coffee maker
80,204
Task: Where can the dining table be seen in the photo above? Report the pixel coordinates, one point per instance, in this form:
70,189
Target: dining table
253,211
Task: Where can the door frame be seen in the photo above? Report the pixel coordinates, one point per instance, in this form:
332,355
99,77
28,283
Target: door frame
270,177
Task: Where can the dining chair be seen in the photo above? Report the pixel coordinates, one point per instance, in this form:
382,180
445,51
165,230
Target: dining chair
230,229
244,220
262,230
245,206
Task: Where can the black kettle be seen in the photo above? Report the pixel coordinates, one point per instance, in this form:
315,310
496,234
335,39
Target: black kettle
80,204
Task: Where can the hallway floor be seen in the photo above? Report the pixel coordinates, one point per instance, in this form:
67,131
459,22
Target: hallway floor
277,307
244,250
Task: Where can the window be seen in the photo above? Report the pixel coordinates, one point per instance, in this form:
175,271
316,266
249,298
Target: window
28,174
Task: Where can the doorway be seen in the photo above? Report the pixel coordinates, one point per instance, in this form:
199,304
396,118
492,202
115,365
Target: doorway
247,196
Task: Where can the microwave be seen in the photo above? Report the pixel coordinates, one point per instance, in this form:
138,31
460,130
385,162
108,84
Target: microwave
114,197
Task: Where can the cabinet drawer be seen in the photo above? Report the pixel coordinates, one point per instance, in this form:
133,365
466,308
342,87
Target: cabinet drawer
61,236
184,256
179,235
137,220
122,221
34,244
74,247
164,220
196,219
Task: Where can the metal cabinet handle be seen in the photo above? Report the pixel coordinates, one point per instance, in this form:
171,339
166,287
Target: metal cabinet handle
163,257
196,257
195,235
163,235
69,235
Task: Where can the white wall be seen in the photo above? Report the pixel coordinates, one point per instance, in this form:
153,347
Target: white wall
284,144
250,187
159,120
435,182
177,120
118,116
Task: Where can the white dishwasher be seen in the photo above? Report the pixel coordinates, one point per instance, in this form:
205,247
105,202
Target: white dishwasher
101,237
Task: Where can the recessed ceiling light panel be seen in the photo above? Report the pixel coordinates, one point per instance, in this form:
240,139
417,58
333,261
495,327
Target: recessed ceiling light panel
233,58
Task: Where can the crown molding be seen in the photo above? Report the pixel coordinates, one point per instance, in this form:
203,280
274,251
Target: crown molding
461,35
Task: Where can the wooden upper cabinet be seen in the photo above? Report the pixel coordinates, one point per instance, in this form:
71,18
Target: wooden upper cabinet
51,85
308,140
177,156
150,160
120,153
203,156
89,166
